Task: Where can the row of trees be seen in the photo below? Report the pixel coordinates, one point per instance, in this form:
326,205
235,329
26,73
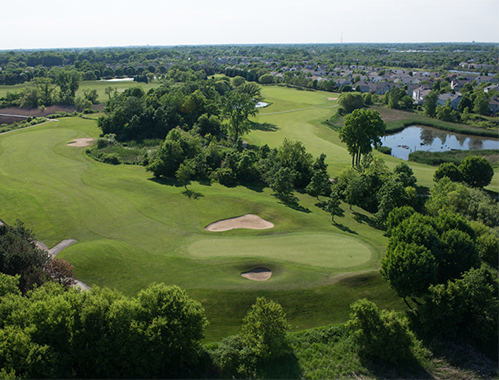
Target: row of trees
198,105
44,92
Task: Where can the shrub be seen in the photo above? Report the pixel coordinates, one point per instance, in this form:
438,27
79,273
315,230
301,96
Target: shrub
111,158
380,333
264,329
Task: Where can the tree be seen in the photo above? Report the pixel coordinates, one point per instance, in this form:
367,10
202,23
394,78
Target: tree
266,79
448,169
294,155
238,80
410,269
466,308
380,333
361,131
396,216
430,103
319,184
405,174
391,195
90,94
19,255
476,171
264,329
237,108
185,172
68,82
460,254
332,205
481,104
109,90
282,181
61,271
351,101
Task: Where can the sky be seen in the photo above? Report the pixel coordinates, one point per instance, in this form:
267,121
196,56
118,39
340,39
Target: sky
52,24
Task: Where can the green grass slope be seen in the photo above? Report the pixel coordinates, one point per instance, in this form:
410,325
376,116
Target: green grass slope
132,230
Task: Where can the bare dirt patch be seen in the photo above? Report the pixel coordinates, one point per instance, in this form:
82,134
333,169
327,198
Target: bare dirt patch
80,142
258,274
250,221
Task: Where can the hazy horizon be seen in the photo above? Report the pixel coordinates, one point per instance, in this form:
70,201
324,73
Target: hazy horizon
54,24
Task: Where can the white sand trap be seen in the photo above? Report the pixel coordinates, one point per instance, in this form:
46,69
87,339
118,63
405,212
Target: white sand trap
258,274
332,98
80,142
251,221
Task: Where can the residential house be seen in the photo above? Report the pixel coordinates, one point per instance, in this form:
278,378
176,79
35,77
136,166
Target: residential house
384,87
487,78
411,88
454,100
494,87
458,84
343,82
494,105
363,86
419,95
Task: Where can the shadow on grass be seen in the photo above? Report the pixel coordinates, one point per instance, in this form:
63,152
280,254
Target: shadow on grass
286,367
192,194
265,127
361,218
256,187
167,181
291,202
343,228
408,369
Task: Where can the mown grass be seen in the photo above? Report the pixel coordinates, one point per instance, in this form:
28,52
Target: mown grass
132,230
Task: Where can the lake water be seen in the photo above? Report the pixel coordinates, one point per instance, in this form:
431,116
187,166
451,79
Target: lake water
415,138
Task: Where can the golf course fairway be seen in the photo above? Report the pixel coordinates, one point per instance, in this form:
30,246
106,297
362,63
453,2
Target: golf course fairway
132,230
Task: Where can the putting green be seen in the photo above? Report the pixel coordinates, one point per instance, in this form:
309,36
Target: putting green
324,250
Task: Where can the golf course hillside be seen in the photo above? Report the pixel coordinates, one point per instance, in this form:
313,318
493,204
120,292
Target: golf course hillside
133,229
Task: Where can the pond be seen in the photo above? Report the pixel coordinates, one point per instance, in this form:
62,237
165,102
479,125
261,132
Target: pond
429,139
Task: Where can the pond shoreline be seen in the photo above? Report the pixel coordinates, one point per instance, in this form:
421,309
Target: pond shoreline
444,127
424,138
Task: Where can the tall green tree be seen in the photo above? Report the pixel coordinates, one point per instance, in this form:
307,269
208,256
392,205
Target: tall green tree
264,329
361,131
238,107
476,171
430,103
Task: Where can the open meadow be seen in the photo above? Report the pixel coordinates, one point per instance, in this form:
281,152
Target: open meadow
133,230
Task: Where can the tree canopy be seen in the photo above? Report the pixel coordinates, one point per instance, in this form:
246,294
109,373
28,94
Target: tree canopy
361,131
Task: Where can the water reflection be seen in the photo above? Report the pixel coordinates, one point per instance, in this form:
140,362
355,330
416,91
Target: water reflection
415,138
426,137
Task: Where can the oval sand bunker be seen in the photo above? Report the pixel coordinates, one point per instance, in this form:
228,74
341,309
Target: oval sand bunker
258,274
80,142
246,221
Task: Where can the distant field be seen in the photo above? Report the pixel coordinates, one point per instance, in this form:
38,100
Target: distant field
100,86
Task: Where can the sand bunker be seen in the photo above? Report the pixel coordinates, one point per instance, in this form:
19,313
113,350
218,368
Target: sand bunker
80,142
332,98
258,274
246,221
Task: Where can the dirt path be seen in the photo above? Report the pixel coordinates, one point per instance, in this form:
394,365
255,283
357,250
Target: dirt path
296,109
